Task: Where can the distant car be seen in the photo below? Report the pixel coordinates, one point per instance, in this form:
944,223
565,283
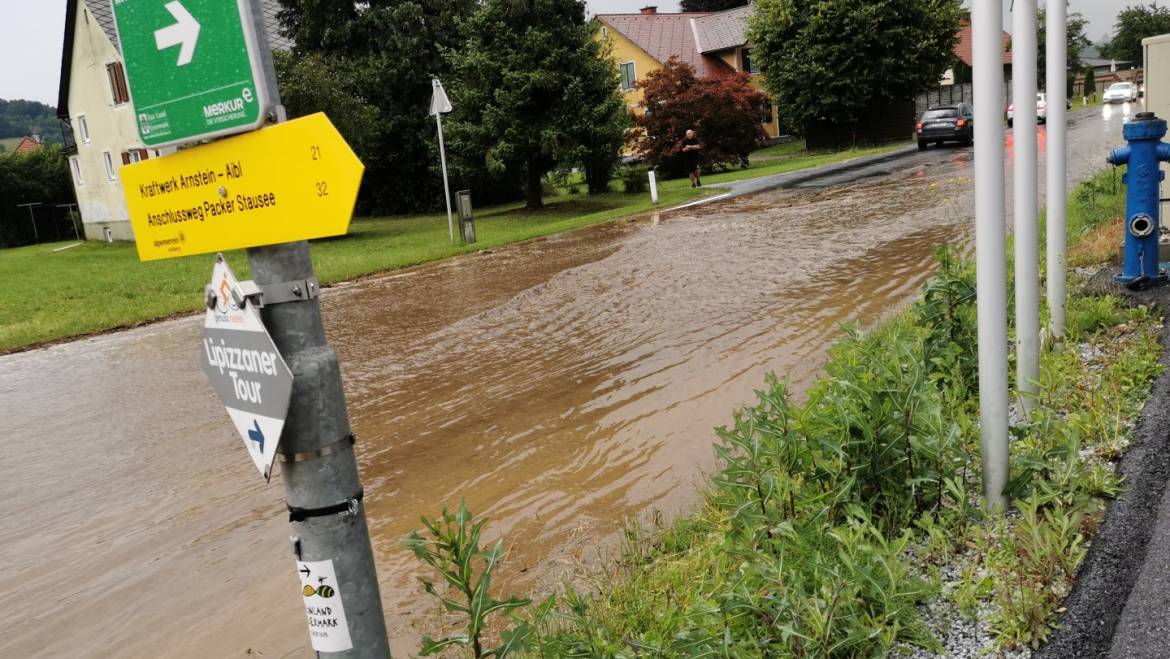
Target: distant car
1041,109
946,123
1121,92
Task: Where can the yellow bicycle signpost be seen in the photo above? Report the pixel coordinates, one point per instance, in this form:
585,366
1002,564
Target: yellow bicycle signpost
287,182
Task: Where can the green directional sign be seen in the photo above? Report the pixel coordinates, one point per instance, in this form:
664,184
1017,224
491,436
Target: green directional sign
193,68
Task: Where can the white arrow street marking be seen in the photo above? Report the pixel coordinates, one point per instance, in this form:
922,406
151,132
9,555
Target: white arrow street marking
184,33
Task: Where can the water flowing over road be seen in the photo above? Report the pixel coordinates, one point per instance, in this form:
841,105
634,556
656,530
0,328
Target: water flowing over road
558,385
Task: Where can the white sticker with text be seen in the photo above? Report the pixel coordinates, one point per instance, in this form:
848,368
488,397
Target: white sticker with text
328,628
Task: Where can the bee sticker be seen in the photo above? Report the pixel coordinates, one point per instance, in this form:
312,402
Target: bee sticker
324,590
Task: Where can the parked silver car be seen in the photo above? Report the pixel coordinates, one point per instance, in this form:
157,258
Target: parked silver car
1121,92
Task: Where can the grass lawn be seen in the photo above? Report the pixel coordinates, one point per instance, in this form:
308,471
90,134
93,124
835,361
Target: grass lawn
788,157
97,286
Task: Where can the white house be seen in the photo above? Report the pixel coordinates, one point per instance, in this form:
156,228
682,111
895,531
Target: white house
93,105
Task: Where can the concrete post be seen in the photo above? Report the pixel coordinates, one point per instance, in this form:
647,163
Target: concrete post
1057,159
1024,53
653,186
991,262
316,447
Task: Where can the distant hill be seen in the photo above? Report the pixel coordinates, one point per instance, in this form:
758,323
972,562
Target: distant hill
19,118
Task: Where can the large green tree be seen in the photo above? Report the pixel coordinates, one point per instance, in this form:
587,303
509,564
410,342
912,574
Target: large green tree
383,54
834,60
1134,24
1076,41
599,129
19,118
313,83
37,176
528,81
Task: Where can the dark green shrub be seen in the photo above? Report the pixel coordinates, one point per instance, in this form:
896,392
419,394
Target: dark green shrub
634,179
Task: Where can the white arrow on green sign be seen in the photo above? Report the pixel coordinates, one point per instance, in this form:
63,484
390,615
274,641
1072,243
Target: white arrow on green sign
193,68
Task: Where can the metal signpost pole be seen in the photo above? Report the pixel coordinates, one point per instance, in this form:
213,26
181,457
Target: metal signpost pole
446,188
991,262
1024,51
32,218
72,218
1057,158
321,484
200,69
439,105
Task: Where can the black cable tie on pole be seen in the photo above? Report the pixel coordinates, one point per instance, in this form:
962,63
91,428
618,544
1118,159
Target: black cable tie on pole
349,505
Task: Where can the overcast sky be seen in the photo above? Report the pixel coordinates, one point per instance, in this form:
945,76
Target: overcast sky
31,33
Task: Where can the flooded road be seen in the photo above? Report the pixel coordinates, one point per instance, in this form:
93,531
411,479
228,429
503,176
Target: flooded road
558,385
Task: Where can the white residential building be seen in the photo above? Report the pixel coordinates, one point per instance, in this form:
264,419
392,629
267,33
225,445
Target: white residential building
93,102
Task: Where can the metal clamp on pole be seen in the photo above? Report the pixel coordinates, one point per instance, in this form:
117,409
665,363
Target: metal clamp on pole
278,293
329,449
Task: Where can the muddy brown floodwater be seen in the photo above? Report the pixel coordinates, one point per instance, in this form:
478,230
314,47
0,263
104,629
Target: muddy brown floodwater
558,385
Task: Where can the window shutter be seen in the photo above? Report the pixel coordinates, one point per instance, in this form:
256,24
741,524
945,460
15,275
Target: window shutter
123,90
117,77
125,157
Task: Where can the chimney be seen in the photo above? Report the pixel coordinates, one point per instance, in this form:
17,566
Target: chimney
649,10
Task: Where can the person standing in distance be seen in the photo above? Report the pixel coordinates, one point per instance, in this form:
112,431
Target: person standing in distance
692,152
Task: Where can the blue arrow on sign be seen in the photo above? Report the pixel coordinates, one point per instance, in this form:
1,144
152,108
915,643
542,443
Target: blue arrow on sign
257,436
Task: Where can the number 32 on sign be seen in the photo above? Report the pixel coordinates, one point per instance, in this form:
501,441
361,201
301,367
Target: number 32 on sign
292,181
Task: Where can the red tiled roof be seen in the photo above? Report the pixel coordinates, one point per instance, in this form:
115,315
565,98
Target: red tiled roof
663,35
964,47
27,144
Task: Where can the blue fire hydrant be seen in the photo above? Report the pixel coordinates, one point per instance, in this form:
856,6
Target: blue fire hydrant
1142,206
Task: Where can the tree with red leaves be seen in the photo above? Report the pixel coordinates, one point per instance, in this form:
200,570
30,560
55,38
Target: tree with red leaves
725,111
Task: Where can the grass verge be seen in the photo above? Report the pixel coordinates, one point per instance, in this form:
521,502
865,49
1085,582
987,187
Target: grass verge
52,295
849,525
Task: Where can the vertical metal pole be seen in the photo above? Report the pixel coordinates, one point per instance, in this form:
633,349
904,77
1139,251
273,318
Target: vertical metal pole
1024,54
446,188
991,261
33,218
1057,158
324,471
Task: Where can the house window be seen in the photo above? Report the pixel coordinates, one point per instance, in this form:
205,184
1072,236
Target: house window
111,173
75,166
627,70
604,31
748,65
83,128
134,155
117,77
766,117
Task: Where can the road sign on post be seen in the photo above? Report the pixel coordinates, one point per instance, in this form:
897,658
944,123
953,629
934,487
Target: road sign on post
291,181
283,184
441,105
194,70
244,367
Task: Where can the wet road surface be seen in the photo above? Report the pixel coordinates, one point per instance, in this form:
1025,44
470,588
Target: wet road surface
558,385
